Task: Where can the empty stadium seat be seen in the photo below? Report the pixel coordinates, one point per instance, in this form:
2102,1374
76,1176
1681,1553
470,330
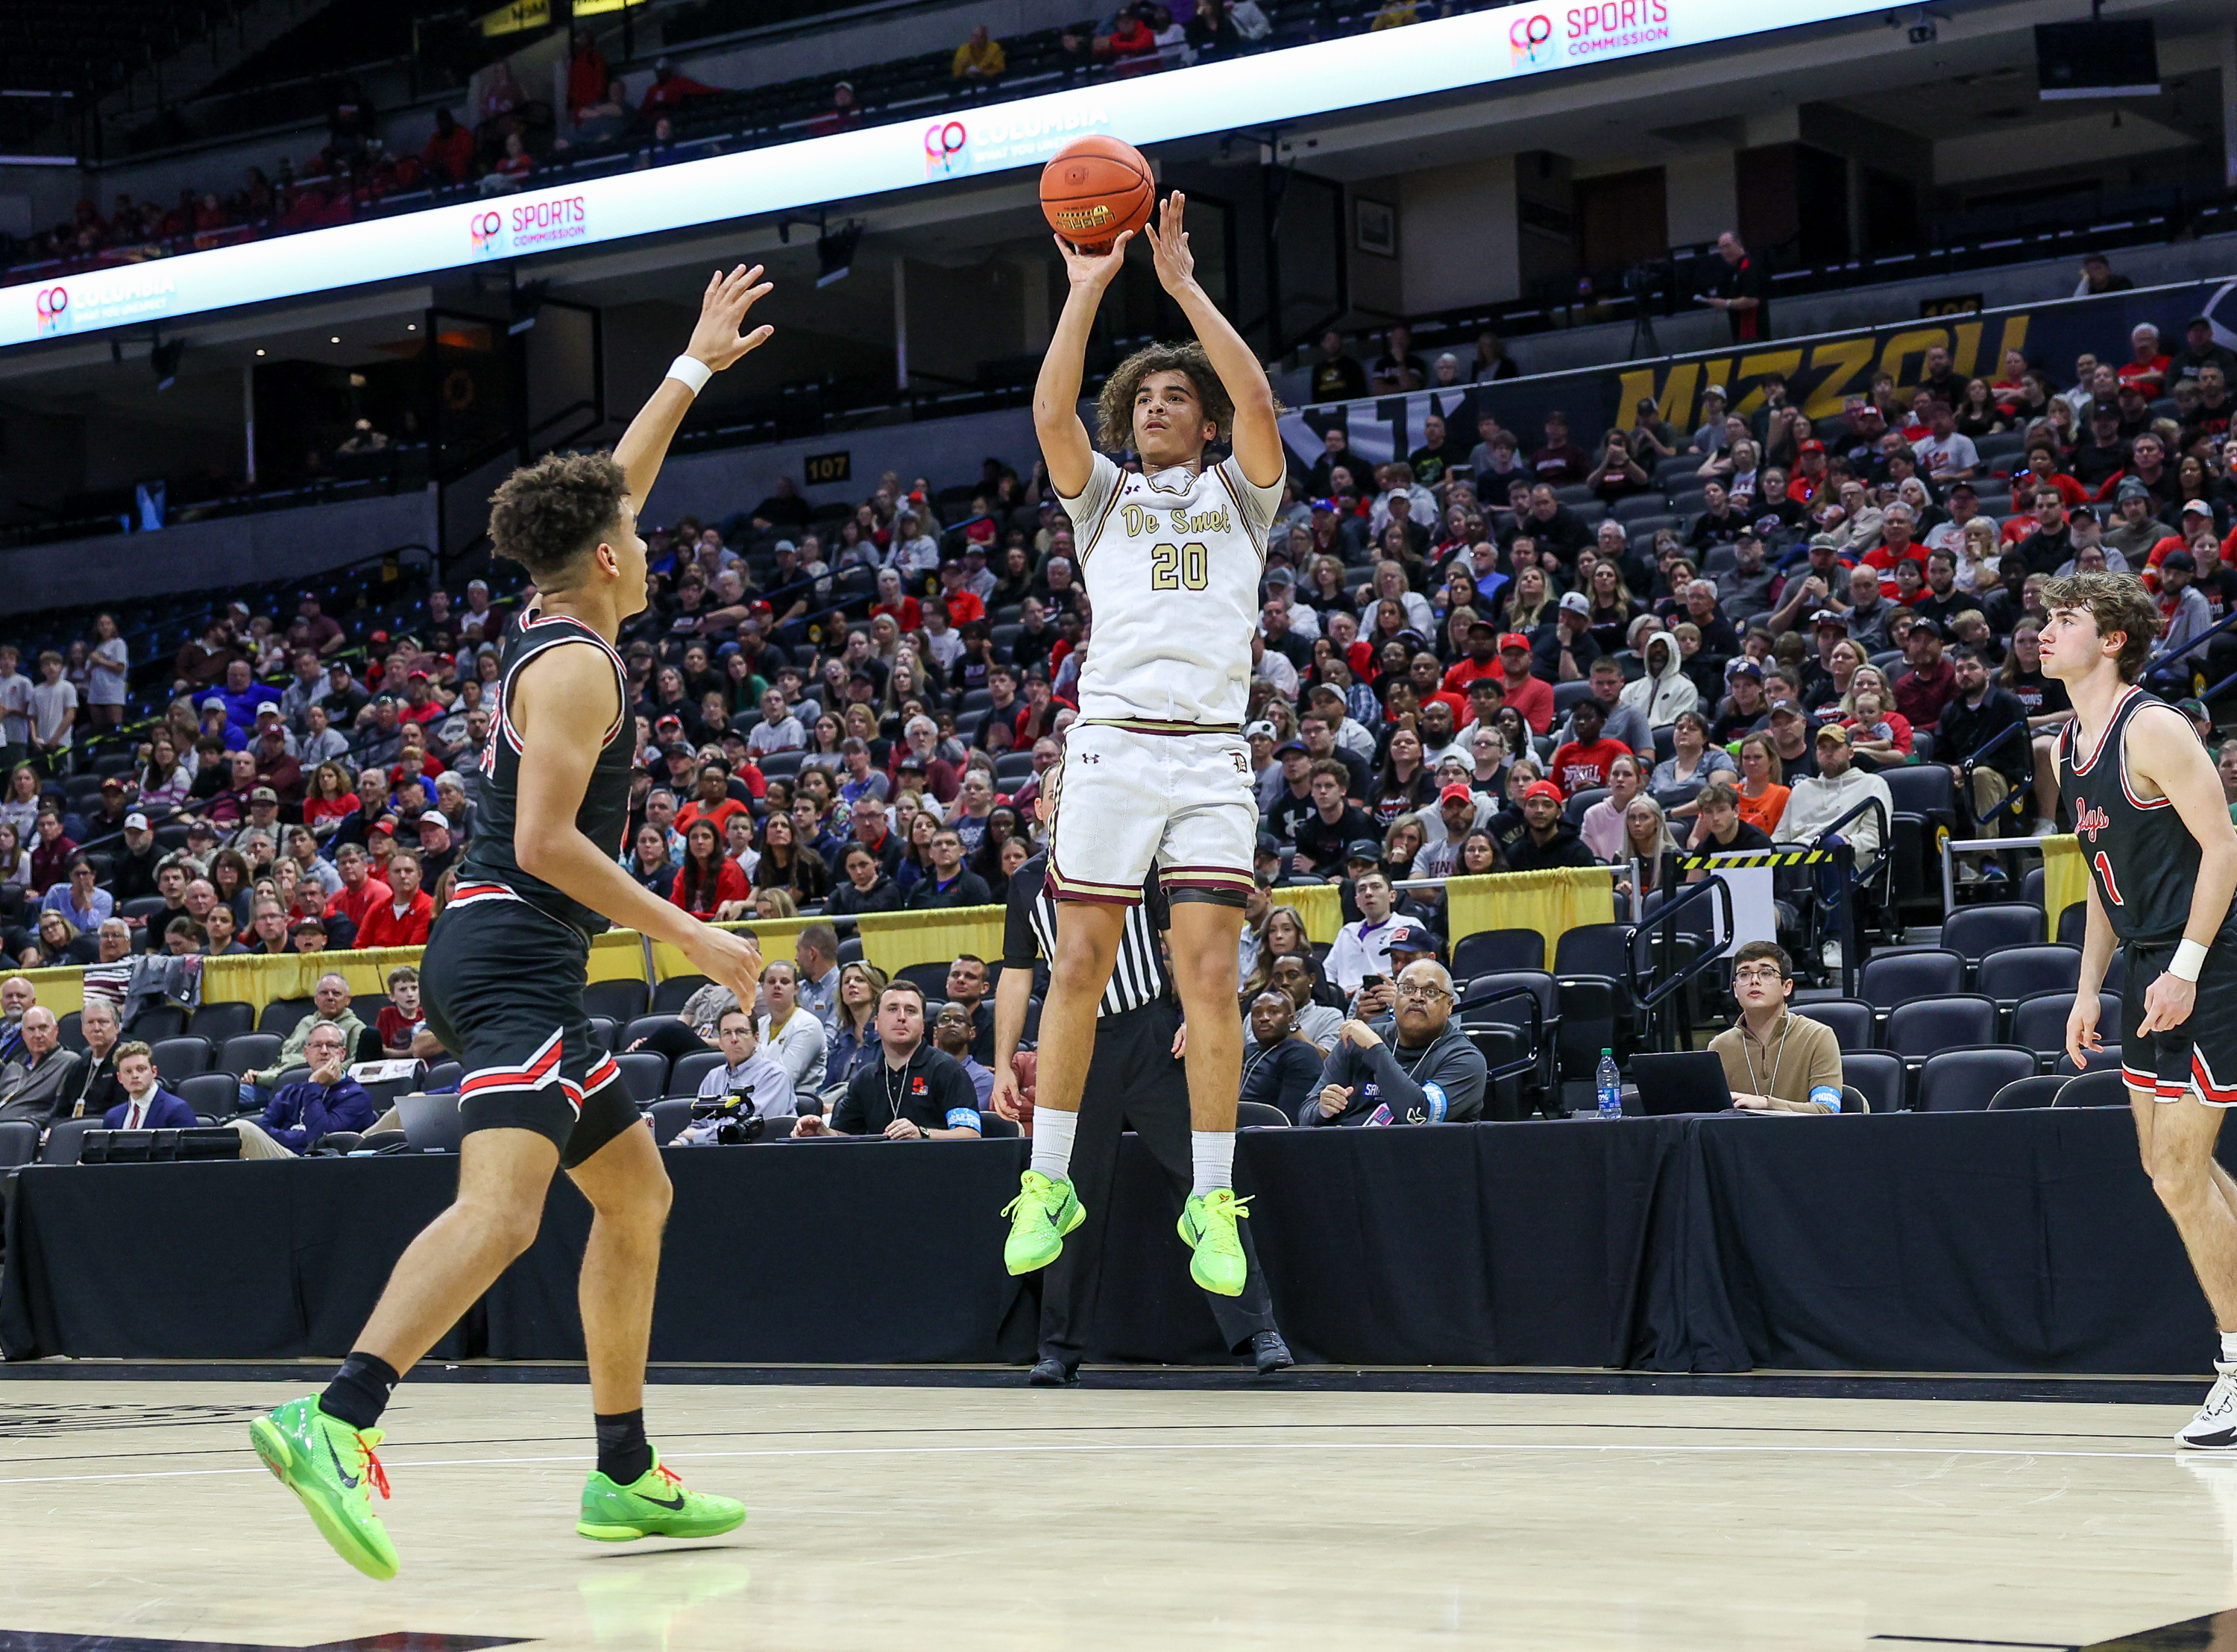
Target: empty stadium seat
248,1052
671,996
2015,972
2094,1089
2040,1091
2039,1022
179,1058
1973,933
685,1075
1917,1030
1258,1115
646,1074
225,1019
1851,1019
280,1016
668,1117
1489,949
1889,978
623,1000
1877,1074
19,1143
1965,1080
213,1095
155,1023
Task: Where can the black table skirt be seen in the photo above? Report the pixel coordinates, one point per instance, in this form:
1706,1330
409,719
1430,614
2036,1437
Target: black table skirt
1980,1242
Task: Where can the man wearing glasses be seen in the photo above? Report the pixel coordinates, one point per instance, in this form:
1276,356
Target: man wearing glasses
1775,1061
1415,1069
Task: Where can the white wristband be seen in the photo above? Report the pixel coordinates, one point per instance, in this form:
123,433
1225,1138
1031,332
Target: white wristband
692,372
2189,959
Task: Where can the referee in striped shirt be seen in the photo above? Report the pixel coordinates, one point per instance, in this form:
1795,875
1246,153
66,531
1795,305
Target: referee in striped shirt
1135,1082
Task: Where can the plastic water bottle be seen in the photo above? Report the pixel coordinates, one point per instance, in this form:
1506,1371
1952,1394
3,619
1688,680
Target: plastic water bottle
1607,1084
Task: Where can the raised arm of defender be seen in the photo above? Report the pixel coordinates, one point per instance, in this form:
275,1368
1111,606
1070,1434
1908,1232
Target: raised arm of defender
716,344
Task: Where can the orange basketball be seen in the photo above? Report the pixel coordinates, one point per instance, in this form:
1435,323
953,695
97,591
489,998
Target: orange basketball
1096,189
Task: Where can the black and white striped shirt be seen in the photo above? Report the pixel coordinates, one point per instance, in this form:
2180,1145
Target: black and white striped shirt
1136,978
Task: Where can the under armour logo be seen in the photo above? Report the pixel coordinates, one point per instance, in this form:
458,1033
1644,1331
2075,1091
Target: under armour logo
1091,757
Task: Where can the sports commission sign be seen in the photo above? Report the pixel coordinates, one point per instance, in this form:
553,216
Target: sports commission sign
1821,372
1446,54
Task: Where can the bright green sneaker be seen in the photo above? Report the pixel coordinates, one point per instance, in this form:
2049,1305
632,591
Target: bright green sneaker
331,1467
1207,1227
656,1504
1042,1213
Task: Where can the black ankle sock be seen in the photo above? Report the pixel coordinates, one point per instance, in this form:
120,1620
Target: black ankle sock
624,1456
360,1389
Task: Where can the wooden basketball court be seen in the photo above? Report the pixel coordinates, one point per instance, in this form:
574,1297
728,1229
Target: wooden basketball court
915,1518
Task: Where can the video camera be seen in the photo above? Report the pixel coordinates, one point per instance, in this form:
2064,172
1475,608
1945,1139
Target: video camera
734,1121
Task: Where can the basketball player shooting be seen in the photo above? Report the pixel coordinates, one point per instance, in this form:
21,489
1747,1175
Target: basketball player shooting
503,979
1156,771
2162,857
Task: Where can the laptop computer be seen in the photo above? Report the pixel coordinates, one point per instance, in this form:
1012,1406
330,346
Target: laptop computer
1687,1081
431,1123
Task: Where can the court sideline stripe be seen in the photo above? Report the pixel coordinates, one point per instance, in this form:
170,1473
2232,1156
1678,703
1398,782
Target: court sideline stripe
1025,1447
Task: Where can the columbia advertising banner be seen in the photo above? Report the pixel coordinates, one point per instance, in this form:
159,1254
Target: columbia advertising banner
1820,371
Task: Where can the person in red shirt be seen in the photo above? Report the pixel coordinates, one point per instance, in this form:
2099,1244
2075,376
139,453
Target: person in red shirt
1534,699
907,613
2197,515
712,801
2147,369
360,891
709,880
1897,524
402,919
1584,762
670,90
1809,472
1481,660
420,705
963,604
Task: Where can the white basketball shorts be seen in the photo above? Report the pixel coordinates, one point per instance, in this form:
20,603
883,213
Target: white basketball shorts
1131,794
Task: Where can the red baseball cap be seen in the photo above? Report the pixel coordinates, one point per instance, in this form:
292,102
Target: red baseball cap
1813,445
1456,792
1514,639
1541,788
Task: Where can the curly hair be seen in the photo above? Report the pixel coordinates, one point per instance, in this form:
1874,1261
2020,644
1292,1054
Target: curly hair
546,513
1114,408
2117,602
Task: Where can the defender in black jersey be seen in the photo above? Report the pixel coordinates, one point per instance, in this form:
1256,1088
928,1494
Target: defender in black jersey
2162,858
1135,1082
503,981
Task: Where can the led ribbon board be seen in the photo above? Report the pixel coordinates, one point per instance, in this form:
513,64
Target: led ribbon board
1357,71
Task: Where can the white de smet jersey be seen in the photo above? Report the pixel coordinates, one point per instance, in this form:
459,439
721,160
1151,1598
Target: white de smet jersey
1172,563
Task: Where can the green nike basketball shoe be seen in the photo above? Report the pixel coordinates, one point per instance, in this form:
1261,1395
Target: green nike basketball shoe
655,1504
1045,1210
330,1466
1207,1227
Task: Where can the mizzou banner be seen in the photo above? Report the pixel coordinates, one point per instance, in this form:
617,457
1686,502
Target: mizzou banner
1821,372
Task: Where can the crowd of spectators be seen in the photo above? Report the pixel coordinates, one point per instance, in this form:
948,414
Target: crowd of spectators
1464,663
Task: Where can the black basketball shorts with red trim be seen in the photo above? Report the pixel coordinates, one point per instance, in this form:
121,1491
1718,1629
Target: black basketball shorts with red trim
2202,1053
502,985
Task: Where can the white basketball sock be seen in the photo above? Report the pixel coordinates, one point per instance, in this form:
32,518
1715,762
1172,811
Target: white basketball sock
1053,1133
2229,1347
1212,1153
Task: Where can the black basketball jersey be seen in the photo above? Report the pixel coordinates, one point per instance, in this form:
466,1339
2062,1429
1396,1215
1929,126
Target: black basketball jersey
2141,857
603,816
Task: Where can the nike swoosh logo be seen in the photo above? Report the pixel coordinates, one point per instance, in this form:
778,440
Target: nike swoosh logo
348,1479
663,1502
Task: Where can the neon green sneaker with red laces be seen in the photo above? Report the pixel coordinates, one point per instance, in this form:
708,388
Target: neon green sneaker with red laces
655,1504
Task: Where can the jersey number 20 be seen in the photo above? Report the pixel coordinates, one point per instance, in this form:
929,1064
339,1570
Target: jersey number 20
1174,567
